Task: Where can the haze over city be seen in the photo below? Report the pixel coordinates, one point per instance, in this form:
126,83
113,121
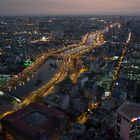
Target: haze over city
66,7
69,69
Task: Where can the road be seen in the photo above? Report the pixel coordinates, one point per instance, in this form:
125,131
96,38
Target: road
60,75
24,76
117,70
89,42
68,55
84,117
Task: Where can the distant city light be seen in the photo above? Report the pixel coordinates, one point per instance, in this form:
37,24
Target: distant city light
115,57
117,84
1,93
107,93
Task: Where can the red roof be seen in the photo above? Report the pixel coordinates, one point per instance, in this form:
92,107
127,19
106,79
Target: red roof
53,120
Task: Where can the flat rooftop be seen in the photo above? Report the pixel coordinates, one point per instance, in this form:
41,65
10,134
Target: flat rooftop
35,119
55,98
130,109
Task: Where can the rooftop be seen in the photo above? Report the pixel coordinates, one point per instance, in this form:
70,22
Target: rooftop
56,97
34,120
130,109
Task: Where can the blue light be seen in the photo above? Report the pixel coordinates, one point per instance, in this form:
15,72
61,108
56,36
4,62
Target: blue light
138,118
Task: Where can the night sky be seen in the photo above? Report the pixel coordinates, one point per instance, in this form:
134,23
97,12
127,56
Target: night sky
69,7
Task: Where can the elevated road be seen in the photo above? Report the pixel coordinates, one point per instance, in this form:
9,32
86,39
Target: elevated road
23,77
67,54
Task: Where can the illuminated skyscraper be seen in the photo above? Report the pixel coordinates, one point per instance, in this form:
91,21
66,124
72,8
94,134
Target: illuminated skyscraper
128,121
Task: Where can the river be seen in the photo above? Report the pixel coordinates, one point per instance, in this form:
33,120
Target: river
41,77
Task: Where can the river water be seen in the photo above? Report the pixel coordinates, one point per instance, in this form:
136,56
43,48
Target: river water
41,77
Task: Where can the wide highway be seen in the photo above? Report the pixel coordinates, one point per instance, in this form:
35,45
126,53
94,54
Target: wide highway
90,41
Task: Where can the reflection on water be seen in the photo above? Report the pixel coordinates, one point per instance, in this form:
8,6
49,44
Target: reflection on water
41,77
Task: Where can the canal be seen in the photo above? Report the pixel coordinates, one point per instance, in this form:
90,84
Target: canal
39,78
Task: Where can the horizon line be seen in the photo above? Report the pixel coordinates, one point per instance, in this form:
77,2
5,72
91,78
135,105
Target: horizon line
75,15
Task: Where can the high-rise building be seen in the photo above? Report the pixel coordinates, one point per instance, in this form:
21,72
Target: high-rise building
131,64
128,121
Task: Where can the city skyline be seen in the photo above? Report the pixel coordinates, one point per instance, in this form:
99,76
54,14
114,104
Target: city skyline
73,7
69,69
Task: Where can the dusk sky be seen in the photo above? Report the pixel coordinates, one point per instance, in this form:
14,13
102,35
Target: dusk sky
69,7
